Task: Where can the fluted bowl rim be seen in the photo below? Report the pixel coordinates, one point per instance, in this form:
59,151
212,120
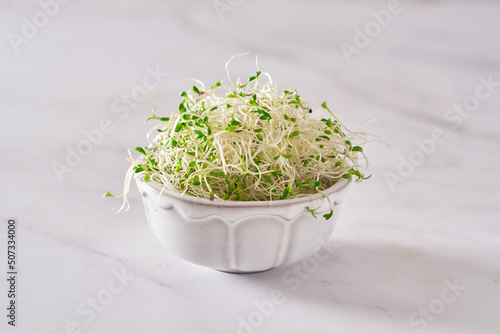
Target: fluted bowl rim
157,188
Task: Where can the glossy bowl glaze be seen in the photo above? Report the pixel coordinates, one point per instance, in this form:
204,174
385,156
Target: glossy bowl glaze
238,236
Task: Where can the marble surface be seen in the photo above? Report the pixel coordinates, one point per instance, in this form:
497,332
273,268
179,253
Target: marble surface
417,247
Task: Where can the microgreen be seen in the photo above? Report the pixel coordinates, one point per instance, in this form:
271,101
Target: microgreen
328,215
294,134
252,78
178,127
248,142
312,211
140,150
217,84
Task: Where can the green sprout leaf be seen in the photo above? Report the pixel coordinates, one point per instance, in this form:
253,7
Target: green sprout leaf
294,134
328,215
217,84
285,193
235,123
199,134
140,150
312,211
357,149
252,78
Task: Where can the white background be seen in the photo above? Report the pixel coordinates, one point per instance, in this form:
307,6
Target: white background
395,247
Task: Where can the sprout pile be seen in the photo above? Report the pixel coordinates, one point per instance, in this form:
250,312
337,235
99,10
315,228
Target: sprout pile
247,141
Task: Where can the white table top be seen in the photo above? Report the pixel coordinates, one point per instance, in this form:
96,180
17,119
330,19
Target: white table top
420,253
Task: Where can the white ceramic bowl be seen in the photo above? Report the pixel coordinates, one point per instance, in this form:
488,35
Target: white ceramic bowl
239,236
